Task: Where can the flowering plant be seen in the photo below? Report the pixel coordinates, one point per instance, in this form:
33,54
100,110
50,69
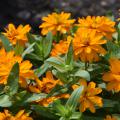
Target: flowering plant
69,72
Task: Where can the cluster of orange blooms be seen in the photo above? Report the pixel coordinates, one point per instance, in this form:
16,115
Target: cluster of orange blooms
87,46
21,115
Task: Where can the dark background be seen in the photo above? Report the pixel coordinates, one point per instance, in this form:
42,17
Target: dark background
31,11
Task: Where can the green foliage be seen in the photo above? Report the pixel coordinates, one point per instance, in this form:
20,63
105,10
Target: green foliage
5,43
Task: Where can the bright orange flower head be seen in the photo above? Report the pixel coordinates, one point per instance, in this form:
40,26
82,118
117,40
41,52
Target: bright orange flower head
89,97
102,25
6,115
21,115
46,101
7,60
61,48
17,35
56,23
113,76
45,85
87,45
108,117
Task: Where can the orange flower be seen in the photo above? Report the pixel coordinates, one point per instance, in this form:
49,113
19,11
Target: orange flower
108,117
89,97
46,101
87,45
56,23
17,35
46,85
112,77
7,60
102,25
21,115
6,115
61,48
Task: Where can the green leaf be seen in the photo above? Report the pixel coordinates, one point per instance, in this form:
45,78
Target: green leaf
33,56
47,44
83,74
18,49
62,76
69,56
74,98
31,38
13,79
45,112
35,97
57,63
109,103
76,116
28,50
38,49
57,88
60,108
41,70
113,49
85,117
5,101
6,43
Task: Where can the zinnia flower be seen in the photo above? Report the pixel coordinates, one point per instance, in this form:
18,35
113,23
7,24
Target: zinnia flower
17,35
46,85
7,60
6,115
87,45
108,117
61,48
21,115
102,25
89,96
46,101
112,77
56,23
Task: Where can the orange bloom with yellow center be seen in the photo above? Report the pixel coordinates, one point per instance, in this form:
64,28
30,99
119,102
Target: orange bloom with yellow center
108,117
87,45
102,25
17,35
56,23
61,48
112,77
21,115
7,60
89,96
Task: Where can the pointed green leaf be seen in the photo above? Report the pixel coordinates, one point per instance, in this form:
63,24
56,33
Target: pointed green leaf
28,50
57,63
83,74
69,56
45,112
6,43
31,38
13,79
35,97
5,101
41,70
74,98
47,44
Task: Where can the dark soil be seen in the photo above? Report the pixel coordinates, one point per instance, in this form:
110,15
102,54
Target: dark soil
31,11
